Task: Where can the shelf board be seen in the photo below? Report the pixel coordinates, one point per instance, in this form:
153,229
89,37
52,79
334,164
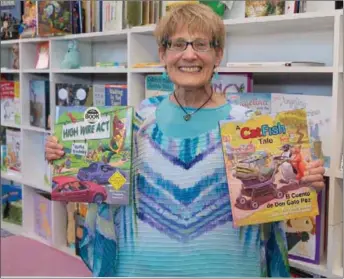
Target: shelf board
339,174
257,69
311,21
12,228
11,175
320,269
36,71
35,129
147,70
10,125
91,70
120,35
9,43
9,71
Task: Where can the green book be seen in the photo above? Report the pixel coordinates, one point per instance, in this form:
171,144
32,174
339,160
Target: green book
96,166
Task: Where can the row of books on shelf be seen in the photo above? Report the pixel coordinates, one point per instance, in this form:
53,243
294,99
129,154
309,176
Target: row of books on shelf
306,236
52,18
116,94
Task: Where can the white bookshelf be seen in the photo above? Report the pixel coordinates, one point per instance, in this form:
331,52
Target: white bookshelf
307,36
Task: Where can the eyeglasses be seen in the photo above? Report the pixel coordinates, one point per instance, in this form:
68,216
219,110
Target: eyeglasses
200,45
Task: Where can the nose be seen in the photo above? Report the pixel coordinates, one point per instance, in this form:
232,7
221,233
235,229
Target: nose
189,53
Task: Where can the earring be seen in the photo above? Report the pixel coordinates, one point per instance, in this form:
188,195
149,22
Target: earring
215,75
164,75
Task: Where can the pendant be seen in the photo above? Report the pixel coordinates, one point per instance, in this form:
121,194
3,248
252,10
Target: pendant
187,117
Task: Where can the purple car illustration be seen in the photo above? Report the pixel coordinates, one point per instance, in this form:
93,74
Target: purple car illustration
98,172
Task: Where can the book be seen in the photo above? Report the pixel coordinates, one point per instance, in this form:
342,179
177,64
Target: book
276,64
69,94
12,202
257,8
55,18
39,103
305,235
97,142
265,164
13,150
232,83
42,216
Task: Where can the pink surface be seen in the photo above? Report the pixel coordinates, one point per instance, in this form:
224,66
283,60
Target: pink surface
21,256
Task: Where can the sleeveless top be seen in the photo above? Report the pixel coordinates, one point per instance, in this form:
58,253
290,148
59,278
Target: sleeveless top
179,221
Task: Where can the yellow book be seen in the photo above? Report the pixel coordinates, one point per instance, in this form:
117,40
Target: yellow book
266,158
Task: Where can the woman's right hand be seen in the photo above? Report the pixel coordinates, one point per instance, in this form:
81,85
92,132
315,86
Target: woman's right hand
53,150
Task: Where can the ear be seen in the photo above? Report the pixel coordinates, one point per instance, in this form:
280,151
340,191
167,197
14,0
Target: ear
218,56
162,52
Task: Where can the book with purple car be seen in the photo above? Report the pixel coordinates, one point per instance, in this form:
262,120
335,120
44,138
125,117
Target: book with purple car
97,142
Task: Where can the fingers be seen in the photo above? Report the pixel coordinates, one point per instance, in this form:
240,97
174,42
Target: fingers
315,164
53,150
313,171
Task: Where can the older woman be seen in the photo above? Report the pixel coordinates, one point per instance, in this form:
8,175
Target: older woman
179,222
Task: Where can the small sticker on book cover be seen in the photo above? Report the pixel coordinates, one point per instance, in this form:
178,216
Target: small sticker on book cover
117,180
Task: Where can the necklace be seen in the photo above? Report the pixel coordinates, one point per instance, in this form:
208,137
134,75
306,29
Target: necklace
187,115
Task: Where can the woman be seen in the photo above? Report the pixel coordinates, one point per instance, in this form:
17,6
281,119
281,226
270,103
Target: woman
179,222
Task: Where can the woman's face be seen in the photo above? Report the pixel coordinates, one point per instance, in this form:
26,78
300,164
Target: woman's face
189,68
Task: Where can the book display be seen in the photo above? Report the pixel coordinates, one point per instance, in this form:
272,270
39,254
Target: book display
66,58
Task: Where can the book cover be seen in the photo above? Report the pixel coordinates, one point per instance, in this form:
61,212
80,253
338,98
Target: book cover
11,200
257,103
257,8
39,103
319,119
69,94
13,150
29,24
156,85
116,94
96,167
265,165
11,15
55,18
232,83
10,102
42,217
80,216
42,55
305,235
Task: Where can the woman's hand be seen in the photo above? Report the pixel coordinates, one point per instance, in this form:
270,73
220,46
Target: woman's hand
314,175
53,150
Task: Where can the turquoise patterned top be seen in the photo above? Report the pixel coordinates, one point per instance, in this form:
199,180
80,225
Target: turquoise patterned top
179,222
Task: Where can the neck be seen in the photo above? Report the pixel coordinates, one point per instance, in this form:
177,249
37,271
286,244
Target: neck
193,97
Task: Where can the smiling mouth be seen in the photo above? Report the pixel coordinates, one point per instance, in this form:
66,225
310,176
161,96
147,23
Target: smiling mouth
190,69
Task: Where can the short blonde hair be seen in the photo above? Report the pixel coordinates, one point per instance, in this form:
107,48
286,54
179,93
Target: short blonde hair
197,17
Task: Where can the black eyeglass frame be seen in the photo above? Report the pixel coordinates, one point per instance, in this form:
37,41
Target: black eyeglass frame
166,43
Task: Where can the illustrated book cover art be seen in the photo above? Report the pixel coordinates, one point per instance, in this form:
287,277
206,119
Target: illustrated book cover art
12,202
42,60
265,164
13,150
10,102
69,94
257,8
39,103
42,216
232,83
305,235
54,18
96,167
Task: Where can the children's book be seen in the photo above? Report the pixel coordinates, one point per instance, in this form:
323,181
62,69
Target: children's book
305,235
97,142
68,94
39,103
265,163
13,150
54,18
42,216
11,200
232,83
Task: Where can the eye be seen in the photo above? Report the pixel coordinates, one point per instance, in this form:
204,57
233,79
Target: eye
178,44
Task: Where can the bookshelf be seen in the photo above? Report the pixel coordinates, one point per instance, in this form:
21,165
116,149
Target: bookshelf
307,36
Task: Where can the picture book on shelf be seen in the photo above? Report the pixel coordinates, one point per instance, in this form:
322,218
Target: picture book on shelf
13,150
305,235
11,200
69,94
265,158
97,142
39,103
54,18
42,216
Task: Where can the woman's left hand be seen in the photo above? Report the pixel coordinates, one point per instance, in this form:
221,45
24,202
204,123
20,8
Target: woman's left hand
314,175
